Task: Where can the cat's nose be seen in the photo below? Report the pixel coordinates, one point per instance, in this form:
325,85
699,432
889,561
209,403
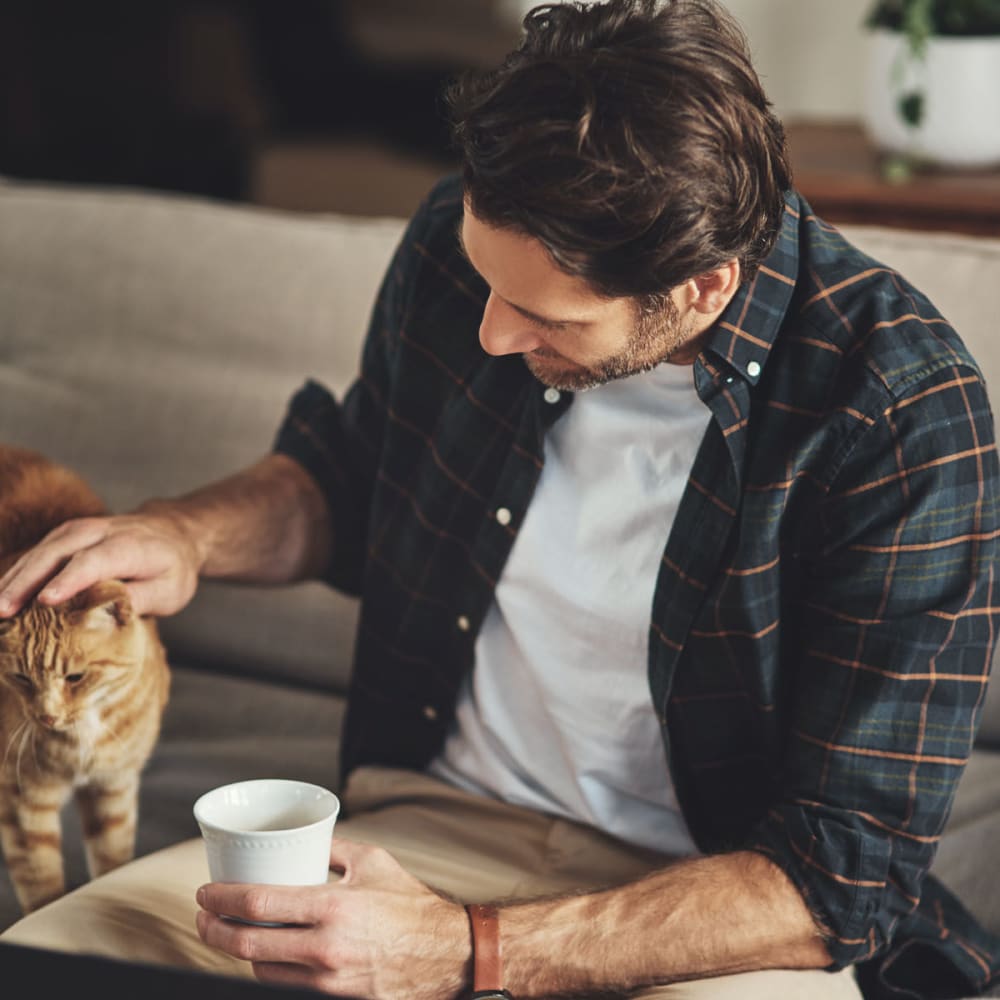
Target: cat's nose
49,721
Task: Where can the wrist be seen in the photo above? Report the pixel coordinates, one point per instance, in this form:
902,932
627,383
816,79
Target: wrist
455,929
487,953
195,540
540,940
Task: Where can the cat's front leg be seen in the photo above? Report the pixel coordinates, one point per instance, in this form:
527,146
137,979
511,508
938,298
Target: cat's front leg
31,837
108,811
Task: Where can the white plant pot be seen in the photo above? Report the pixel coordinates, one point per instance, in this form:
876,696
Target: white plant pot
960,81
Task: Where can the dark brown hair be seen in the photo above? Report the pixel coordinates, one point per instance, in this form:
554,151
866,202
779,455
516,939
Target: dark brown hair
631,138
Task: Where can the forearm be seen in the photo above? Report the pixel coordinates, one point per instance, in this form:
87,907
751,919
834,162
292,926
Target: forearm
267,524
378,931
705,917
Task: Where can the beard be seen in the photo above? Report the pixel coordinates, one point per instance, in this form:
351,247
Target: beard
655,338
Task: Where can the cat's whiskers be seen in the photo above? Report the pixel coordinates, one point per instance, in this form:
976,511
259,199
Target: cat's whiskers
33,740
77,738
12,740
83,732
103,728
27,737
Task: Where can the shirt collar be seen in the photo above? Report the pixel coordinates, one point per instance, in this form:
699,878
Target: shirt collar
743,335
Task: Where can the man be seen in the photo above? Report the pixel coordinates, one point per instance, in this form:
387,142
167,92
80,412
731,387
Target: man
709,506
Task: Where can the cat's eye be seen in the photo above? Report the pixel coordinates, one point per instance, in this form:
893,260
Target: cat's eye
23,679
74,678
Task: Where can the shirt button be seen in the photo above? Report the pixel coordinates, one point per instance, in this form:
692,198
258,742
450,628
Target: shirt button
463,623
753,369
430,713
503,516
551,395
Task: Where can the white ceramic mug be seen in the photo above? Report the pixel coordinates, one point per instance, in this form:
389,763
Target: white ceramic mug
269,831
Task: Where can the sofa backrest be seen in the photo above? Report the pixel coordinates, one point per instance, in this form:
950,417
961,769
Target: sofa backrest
152,342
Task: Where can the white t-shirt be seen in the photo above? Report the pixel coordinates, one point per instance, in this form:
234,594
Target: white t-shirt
557,714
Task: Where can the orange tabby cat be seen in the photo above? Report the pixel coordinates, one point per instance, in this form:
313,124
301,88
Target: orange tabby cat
82,691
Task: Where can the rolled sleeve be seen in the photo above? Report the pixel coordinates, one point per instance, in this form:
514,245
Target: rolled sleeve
313,434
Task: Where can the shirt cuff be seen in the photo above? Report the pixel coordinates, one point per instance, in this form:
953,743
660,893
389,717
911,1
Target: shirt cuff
313,435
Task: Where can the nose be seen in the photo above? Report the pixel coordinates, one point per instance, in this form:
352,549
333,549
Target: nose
49,721
505,331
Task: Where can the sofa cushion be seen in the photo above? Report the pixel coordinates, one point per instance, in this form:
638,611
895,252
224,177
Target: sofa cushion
152,341
971,837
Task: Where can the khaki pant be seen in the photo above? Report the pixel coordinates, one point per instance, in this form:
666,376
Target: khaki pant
472,848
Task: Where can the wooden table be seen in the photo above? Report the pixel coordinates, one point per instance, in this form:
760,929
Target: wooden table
840,175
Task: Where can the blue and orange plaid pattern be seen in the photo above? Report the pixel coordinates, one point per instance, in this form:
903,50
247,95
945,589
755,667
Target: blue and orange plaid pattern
824,619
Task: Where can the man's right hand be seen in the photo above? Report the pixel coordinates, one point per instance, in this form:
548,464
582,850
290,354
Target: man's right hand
151,552
268,524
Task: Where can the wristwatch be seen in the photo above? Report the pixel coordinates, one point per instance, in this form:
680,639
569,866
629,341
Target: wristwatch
487,962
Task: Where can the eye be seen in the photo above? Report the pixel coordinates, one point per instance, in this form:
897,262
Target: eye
74,678
542,324
23,680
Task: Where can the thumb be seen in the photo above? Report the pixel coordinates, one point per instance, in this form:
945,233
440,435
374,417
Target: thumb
146,597
357,861
157,596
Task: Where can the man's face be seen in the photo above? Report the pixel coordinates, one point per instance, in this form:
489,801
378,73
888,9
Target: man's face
571,338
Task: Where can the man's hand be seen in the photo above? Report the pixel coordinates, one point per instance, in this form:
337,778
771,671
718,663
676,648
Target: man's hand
381,934
378,933
268,524
152,553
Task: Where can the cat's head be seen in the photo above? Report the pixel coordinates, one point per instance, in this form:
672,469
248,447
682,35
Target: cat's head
62,662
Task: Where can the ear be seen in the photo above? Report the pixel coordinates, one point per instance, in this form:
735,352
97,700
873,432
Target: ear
104,606
710,292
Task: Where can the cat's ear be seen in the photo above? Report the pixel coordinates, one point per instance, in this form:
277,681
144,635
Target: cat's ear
103,606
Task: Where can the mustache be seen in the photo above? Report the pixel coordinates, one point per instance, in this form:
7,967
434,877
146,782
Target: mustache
545,354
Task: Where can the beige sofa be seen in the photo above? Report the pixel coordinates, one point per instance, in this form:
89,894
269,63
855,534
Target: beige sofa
152,342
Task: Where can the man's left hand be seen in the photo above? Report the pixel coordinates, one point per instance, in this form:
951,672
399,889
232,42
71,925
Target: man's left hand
378,933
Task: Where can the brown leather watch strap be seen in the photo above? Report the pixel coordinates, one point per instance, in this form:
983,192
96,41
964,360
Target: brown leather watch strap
487,962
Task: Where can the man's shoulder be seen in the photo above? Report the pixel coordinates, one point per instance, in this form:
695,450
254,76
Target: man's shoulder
868,310
437,219
429,270
431,254
446,196
434,292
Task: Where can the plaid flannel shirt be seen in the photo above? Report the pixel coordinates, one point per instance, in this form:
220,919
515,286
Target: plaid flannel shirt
823,620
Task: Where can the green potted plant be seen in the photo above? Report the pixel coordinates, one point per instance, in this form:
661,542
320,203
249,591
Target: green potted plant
934,80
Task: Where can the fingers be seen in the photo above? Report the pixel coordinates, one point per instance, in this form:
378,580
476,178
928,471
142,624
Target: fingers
251,944
44,567
149,597
297,942
82,570
378,936
147,553
276,904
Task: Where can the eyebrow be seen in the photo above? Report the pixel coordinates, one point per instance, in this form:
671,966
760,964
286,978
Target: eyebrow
526,313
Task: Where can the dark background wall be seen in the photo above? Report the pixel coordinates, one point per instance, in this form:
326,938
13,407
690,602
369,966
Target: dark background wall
255,100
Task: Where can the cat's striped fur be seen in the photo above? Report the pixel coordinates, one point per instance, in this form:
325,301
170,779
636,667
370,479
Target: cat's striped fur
82,691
